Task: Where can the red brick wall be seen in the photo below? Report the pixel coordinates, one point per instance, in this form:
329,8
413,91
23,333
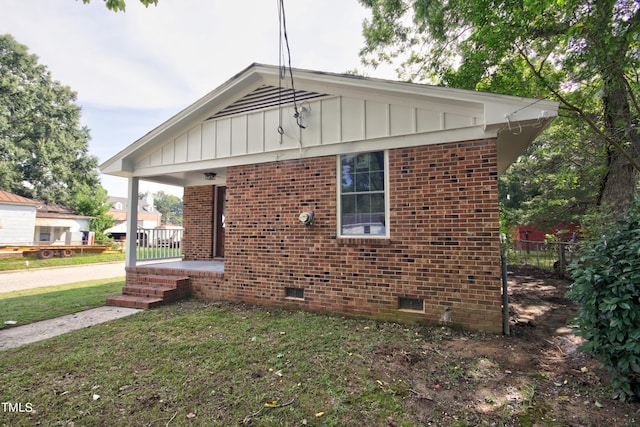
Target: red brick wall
443,245
198,208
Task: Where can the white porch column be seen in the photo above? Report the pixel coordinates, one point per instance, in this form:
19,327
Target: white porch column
132,223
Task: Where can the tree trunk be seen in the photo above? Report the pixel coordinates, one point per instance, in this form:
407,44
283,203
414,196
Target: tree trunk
618,187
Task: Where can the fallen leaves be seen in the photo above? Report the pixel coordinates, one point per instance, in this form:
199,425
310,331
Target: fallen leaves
271,404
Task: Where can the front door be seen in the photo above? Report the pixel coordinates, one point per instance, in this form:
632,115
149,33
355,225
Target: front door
220,202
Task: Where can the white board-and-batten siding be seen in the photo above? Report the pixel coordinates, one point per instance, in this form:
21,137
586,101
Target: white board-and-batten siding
17,223
330,120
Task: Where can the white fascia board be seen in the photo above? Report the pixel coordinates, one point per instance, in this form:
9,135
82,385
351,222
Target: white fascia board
496,106
117,166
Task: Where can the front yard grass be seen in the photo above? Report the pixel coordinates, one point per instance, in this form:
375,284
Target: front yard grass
195,363
31,305
22,263
192,363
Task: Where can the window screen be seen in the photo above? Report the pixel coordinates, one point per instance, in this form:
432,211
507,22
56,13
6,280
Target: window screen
362,194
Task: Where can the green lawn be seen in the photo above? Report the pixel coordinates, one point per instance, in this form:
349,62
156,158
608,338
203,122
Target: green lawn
192,363
31,305
7,264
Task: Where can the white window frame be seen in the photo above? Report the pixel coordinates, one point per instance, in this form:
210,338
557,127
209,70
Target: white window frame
386,199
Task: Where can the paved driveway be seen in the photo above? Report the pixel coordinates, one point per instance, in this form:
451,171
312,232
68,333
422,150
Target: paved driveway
38,277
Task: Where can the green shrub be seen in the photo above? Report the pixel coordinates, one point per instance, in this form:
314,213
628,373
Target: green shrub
607,289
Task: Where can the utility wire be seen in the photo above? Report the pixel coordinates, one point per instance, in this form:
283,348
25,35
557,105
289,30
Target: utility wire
283,31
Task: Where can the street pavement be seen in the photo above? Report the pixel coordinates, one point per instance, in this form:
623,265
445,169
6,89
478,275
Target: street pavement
39,277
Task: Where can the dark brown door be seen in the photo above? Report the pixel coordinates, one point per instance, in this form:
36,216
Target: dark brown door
220,218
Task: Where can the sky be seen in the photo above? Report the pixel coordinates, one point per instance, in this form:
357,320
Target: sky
134,70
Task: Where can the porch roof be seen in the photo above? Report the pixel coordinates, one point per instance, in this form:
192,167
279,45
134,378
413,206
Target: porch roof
250,119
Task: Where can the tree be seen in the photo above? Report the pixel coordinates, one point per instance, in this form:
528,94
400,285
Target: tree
94,201
168,205
120,5
580,52
552,183
43,147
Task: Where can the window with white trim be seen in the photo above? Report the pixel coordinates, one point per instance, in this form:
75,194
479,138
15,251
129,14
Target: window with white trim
363,207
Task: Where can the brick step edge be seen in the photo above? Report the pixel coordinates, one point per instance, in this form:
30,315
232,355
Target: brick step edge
158,280
149,291
130,301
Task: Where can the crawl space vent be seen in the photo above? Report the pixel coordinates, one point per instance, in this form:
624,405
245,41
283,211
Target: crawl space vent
414,304
297,293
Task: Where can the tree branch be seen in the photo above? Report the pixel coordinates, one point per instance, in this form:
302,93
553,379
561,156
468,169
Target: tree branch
580,113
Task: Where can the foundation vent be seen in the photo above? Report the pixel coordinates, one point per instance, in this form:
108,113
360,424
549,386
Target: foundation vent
413,304
296,293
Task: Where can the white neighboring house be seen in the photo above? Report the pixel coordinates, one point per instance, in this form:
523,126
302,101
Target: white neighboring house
26,221
58,225
17,219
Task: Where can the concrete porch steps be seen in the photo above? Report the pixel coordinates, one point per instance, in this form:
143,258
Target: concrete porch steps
150,291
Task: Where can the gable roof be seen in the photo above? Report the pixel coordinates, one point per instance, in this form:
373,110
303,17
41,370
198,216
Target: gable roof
57,212
249,119
14,199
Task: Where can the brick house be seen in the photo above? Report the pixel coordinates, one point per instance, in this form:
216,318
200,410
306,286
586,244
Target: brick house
353,195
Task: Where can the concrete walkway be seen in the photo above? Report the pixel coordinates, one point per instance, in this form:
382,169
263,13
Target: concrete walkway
41,277
38,331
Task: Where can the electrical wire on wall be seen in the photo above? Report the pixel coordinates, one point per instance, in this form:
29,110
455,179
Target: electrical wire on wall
282,66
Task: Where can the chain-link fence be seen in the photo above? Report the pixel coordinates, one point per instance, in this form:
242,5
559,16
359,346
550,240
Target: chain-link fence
554,256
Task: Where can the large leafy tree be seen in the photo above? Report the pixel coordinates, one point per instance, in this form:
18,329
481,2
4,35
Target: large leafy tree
43,148
584,53
94,202
170,207
552,183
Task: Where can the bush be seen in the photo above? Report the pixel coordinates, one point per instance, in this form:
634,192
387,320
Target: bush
607,289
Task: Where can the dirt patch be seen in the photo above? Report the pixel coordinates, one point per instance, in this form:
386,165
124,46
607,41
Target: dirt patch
535,377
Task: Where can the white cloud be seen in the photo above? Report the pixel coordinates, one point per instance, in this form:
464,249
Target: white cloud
175,52
130,68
